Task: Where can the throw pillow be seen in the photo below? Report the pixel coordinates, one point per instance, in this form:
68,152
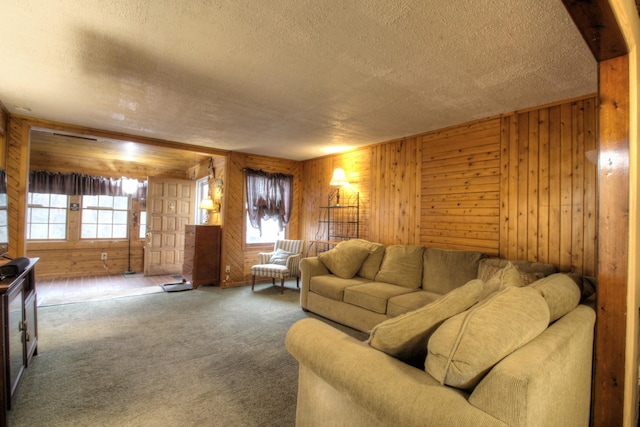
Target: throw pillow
468,345
490,266
405,337
402,266
372,262
447,269
280,257
508,276
344,261
560,292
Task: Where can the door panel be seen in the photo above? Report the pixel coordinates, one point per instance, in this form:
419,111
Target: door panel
170,207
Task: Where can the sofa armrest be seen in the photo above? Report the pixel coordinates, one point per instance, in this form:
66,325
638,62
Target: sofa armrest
309,267
547,381
390,391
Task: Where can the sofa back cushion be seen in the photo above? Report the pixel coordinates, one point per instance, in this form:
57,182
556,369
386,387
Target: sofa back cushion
371,264
468,345
561,293
529,271
405,337
447,269
504,278
402,266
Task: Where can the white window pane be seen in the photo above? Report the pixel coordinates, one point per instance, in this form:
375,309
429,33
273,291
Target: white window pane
58,216
143,225
3,200
58,201
40,199
121,203
105,217
39,216
105,201
3,217
104,231
39,231
119,232
89,231
120,217
89,216
58,231
89,201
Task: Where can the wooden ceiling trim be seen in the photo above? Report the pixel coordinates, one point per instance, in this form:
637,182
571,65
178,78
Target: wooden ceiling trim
47,125
598,25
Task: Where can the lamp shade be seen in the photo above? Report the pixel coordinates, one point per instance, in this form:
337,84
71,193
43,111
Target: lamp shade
339,178
206,204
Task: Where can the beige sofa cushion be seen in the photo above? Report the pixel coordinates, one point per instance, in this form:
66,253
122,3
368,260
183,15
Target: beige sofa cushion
405,337
408,302
561,293
529,271
508,276
468,345
344,261
402,266
371,264
373,296
332,286
447,269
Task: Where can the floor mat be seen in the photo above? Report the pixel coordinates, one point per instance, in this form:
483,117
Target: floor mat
177,287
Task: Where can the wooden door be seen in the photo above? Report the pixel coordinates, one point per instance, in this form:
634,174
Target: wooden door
170,207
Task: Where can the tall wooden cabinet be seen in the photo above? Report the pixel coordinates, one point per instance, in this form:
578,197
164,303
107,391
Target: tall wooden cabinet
202,255
19,333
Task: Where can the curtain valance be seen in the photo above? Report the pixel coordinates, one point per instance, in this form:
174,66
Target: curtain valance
75,184
269,196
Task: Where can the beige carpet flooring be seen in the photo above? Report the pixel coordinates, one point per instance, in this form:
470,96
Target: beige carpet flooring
206,357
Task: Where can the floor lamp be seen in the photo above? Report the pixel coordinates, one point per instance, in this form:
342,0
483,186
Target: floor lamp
129,186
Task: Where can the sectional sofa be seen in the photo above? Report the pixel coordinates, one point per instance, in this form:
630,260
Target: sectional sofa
455,338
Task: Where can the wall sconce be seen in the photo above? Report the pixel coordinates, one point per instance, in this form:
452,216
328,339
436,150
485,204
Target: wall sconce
338,180
207,205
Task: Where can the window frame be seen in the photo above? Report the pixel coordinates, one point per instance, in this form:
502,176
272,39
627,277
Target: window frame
98,209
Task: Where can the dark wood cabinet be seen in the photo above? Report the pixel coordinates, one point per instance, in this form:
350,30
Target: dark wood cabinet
19,333
202,255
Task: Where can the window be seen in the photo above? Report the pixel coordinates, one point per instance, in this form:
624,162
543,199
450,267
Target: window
104,217
142,230
46,216
270,232
4,219
269,198
202,192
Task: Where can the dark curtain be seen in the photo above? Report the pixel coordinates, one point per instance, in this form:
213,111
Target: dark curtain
3,181
269,196
75,184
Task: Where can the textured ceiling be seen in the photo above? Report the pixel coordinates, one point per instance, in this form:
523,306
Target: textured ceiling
293,79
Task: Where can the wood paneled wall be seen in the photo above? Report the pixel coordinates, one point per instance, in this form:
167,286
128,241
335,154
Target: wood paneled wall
461,187
519,186
549,186
236,253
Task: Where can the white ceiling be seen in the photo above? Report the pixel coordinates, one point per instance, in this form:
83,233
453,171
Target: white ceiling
288,78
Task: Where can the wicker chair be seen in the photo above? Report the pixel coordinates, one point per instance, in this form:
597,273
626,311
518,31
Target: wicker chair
282,263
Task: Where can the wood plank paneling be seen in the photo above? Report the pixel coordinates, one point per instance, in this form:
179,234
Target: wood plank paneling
395,192
460,187
548,186
613,245
517,186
